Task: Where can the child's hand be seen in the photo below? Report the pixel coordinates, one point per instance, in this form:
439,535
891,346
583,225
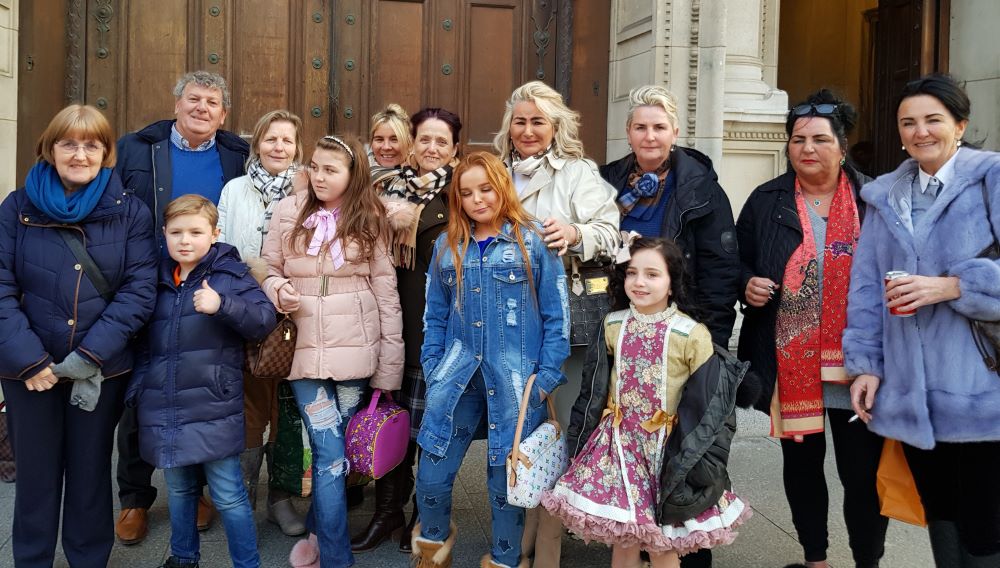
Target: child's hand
206,300
288,299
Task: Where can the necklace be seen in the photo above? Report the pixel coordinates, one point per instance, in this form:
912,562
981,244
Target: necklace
817,202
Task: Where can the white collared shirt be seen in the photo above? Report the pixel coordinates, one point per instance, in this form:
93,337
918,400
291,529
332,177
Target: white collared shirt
944,174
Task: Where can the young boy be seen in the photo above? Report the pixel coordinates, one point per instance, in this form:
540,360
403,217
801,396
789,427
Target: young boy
188,385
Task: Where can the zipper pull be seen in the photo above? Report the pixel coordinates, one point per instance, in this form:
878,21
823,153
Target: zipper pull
288,334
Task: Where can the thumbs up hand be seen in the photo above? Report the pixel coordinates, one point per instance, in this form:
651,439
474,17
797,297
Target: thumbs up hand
206,300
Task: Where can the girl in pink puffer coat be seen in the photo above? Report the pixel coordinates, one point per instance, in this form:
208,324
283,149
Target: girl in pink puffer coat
330,268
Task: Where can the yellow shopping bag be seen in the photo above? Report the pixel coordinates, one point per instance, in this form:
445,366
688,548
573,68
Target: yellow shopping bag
897,493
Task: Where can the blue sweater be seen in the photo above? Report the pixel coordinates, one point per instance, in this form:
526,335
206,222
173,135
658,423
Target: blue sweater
197,172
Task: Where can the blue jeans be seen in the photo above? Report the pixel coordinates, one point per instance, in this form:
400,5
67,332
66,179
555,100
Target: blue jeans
225,483
436,477
326,406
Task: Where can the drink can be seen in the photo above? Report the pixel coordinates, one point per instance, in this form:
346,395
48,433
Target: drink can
892,275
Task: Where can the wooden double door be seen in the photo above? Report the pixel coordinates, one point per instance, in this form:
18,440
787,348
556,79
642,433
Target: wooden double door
334,63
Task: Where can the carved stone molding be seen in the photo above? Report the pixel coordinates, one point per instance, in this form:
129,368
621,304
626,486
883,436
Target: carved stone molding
76,55
668,20
755,135
693,60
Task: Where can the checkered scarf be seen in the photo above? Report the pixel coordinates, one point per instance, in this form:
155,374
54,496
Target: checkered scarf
272,188
418,190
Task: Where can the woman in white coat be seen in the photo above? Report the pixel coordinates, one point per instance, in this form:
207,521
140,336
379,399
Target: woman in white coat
245,209
539,140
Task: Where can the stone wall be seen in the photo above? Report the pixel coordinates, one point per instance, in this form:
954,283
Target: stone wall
975,59
8,95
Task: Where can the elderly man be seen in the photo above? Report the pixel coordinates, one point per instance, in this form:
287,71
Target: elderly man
169,158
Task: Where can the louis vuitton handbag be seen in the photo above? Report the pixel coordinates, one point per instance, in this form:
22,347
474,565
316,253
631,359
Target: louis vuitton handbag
588,299
535,463
272,357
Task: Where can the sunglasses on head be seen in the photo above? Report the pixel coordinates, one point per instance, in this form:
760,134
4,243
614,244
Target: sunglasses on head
809,108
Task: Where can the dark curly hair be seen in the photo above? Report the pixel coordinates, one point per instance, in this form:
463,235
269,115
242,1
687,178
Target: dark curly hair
679,283
842,119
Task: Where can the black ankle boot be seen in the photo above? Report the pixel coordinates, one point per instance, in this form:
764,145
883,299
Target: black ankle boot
391,493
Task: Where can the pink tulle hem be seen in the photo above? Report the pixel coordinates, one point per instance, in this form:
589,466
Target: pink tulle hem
649,537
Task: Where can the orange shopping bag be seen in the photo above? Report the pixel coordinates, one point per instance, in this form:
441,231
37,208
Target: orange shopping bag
897,493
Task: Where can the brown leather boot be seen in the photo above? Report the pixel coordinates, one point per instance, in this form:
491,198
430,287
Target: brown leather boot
206,512
432,553
132,526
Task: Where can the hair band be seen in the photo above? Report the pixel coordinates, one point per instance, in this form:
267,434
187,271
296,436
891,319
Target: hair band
343,145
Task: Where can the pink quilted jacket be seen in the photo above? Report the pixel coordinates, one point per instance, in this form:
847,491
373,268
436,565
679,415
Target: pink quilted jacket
349,321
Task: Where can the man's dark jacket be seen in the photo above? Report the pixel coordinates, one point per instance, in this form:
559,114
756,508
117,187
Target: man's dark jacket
144,163
769,232
699,219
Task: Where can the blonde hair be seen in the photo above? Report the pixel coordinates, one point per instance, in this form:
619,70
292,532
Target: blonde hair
654,96
565,121
191,204
266,121
83,121
398,121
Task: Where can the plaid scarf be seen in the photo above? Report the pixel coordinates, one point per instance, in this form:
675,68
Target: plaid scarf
809,327
644,189
406,185
527,166
272,188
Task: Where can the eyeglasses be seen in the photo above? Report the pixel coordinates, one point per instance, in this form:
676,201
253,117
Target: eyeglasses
824,109
71,147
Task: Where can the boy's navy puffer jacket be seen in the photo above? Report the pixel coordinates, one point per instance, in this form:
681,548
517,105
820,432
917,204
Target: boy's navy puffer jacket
188,384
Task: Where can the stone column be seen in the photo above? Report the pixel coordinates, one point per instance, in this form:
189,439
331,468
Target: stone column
754,108
8,96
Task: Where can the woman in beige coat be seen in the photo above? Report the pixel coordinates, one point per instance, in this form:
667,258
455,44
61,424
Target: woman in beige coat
329,266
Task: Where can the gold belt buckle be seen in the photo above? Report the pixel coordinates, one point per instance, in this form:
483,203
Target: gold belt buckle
596,285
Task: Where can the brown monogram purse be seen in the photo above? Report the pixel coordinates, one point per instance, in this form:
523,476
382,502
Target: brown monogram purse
272,357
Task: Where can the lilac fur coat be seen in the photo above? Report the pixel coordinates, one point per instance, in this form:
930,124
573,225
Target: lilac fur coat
935,386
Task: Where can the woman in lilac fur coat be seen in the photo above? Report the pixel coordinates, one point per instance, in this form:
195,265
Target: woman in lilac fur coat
921,379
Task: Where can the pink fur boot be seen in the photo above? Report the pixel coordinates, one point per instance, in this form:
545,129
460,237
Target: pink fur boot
305,553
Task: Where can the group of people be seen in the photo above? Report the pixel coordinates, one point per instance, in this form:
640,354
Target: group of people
133,273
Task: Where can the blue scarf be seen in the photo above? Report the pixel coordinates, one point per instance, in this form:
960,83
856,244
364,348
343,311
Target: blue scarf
46,192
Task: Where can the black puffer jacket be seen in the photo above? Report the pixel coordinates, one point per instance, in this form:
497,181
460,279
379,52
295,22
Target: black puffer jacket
694,470
769,232
699,219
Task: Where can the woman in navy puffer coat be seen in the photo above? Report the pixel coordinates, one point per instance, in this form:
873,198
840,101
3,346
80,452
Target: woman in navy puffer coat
64,356
189,381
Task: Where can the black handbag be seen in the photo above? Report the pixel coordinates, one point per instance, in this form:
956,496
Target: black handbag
589,301
986,334
8,472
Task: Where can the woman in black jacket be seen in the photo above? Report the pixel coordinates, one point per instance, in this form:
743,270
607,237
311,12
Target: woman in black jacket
665,190
797,235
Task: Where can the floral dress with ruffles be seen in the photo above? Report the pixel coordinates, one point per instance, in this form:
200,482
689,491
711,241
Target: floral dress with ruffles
610,492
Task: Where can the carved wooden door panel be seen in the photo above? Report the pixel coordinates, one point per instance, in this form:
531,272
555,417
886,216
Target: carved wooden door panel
463,55
910,40
273,55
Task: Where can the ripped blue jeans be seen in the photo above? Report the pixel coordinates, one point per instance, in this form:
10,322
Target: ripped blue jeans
326,406
436,478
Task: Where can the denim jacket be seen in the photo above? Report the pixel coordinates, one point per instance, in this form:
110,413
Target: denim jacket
497,328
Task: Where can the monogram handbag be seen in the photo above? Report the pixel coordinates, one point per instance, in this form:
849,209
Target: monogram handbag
272,357
986,334
535,464
588,300
377,436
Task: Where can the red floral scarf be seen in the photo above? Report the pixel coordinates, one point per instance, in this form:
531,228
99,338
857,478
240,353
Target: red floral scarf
809,328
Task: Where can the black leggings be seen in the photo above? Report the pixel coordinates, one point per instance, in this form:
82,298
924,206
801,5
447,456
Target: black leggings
857,453
954,482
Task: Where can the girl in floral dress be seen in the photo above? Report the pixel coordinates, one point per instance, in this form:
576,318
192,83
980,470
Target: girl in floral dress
612,490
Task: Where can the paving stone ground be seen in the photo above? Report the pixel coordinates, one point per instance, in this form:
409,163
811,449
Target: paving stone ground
766,541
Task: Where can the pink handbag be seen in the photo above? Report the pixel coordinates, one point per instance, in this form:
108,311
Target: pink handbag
377,436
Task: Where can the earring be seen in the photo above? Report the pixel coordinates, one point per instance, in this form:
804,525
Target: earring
843,161
903,147
959,143
672,147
